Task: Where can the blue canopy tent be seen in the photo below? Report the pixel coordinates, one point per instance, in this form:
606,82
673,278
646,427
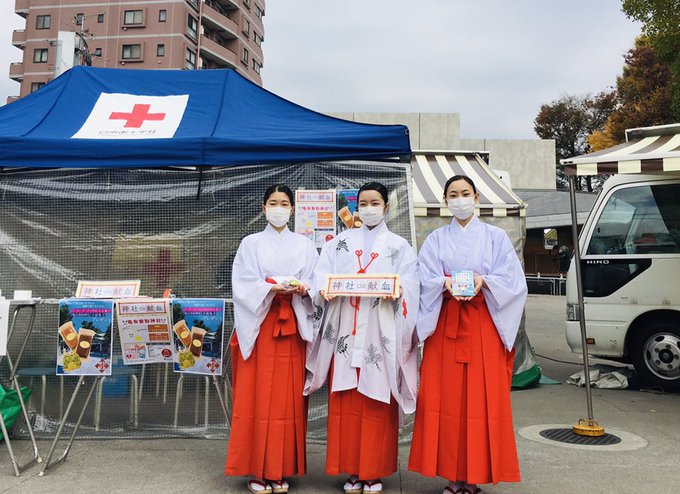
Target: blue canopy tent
95,117
98,180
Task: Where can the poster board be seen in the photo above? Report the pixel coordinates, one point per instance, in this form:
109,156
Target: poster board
144,327
84,343
198,330
315,215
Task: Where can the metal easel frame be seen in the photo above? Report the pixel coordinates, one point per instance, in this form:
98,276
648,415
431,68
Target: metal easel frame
17,387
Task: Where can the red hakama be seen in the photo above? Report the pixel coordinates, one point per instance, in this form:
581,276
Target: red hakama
269,418
463,427
362,435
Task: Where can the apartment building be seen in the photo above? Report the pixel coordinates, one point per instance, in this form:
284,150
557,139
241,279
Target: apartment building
140,34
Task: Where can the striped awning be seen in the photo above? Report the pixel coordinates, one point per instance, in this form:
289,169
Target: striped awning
646,150
431,170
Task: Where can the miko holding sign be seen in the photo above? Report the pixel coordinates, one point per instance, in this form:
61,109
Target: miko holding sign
366,345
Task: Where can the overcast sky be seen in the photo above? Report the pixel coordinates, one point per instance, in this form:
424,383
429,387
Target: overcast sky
493,61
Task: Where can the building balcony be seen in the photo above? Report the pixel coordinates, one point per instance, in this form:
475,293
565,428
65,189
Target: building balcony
222,56
21,7
16,71
215,17
19,37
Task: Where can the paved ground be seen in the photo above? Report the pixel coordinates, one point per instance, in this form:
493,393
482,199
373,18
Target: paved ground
188,466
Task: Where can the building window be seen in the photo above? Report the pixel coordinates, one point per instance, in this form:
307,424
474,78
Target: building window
160,50
162,15
192,26
256,66
79,19
259,12
36,85
97,52
40,55
244,56
246,27
100,19
258,39
43,21
190,62
132,52
133,17
246,3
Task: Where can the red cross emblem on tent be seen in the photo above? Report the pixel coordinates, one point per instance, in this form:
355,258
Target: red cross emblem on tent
164,268
102,365
212,365
136,118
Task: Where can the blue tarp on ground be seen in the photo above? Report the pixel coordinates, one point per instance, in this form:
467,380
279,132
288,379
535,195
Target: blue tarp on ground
216,117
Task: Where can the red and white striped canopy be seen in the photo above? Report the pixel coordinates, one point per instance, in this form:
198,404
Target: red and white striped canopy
646,150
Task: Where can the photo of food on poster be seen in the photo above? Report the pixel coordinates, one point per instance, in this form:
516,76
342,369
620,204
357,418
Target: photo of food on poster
198,328
84,345
144,327
347,209
315,215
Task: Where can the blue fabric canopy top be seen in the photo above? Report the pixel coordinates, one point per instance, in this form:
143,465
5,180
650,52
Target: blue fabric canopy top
94,117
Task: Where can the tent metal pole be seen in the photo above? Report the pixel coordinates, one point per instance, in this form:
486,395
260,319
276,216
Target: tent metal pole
591,428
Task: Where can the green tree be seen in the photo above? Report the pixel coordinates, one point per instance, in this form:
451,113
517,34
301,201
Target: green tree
661,25
569,121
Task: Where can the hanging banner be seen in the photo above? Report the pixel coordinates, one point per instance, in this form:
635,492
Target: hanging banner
315,215
4,325
198,328
144,330
363,285
84,346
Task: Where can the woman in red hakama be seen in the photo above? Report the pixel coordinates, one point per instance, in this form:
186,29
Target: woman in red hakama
463,427
273,323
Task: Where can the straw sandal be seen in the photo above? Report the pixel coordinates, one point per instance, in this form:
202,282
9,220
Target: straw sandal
353,486
279,486
373,486
257,486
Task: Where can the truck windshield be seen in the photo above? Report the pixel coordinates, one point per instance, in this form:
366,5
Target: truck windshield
639,220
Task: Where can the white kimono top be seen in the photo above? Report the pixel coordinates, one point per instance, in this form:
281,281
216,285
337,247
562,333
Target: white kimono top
484,249
265,255
383,346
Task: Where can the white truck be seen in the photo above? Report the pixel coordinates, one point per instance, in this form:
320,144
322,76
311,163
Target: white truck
630,265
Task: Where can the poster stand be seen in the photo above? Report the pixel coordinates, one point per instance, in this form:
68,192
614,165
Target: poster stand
81,382
31,306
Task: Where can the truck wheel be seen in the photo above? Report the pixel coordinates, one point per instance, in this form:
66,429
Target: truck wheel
655,352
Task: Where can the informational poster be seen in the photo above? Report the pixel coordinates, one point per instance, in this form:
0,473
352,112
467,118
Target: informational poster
144,327
315,215
4,325
347,209
85,345
108,289
198,328
363,285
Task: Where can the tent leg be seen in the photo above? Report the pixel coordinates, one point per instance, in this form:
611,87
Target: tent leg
589,427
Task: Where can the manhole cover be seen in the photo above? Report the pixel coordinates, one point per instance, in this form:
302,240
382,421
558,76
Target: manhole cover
568,436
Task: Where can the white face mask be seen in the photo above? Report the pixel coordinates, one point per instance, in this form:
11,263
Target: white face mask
462,207
372,215
277,216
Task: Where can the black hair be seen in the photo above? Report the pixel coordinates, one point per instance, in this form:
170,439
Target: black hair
455,178
278,188
374,186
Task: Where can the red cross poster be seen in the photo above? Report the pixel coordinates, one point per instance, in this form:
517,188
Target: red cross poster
315,214
131,116
144,330
84,347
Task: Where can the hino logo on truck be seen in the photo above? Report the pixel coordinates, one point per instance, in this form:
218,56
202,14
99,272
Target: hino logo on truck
597,261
